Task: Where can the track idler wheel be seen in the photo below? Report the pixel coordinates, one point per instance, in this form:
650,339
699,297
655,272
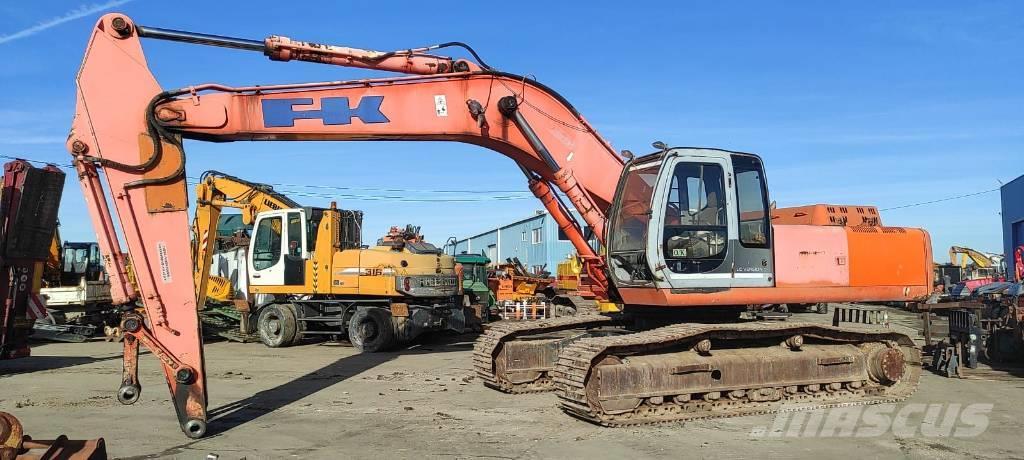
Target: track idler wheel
887,365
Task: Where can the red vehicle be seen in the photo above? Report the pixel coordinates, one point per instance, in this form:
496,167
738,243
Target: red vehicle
28,220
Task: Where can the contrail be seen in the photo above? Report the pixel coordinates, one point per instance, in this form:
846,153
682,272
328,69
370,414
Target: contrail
80,12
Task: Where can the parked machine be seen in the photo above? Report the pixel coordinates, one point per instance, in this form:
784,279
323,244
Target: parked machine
686,230
29,201
77,294
1004,321
947,276
474,279
976,269
512,282
966,342
317,278
214,192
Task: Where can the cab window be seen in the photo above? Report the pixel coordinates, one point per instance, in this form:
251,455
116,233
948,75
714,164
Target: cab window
294,234
630,225
753,201
695,227
267,247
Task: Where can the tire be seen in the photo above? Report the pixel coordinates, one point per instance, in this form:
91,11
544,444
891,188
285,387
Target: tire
297,340
821,308
300,326
370,330
277,325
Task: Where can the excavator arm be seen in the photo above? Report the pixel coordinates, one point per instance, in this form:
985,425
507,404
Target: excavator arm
980,260
130,129
215,191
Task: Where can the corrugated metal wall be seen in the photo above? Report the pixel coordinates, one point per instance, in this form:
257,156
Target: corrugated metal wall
1012,197
519,239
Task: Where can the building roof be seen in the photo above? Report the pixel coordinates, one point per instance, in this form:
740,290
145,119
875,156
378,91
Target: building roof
1019,181
539,214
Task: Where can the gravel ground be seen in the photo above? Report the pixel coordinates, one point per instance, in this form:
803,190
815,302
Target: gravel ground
325,401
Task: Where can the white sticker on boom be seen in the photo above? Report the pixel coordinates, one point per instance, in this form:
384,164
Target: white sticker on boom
441,105
569,158
165,265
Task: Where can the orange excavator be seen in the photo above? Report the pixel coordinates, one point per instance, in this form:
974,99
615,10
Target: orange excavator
687,234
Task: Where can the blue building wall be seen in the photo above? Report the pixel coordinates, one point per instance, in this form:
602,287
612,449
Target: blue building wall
518,239
1012,197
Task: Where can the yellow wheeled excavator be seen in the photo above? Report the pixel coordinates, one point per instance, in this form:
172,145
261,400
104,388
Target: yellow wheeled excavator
317,278
216,191
981,265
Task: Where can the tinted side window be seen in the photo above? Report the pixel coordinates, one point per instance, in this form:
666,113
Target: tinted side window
267,248
629,227
753,202
294,234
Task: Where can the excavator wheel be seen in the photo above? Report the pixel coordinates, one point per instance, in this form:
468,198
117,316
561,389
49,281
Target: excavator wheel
370,330
277,325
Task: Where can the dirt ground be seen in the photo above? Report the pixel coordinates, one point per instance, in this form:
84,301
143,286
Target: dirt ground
326,401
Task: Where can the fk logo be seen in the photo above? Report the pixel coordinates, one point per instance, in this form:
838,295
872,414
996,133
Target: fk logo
281,113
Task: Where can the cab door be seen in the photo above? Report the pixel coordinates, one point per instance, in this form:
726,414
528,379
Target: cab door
753,257
277,251
266,250
688,241
694,240
295,248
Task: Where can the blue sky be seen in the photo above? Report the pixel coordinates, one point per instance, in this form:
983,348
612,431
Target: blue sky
847,102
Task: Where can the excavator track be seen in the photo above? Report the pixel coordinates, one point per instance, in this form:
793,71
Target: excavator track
700,371
525,365
583,306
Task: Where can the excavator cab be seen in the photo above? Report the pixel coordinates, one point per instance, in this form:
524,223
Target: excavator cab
692,219
80,260
280,245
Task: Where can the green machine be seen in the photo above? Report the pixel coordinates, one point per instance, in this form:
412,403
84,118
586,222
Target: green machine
474,278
